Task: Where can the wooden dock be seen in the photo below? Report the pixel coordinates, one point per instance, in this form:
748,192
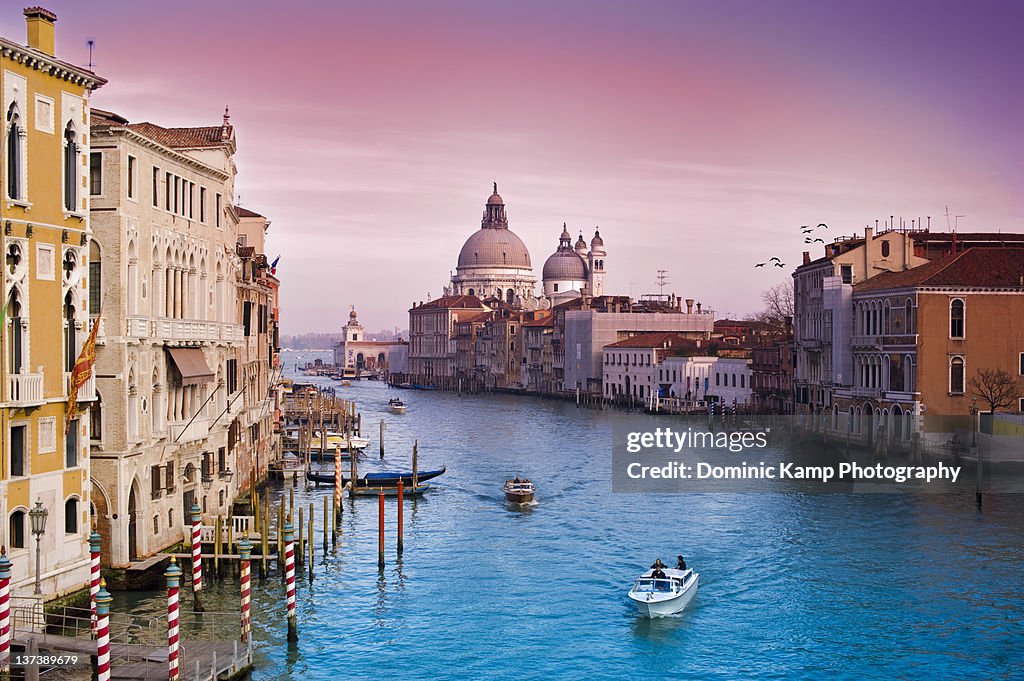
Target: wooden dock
198,660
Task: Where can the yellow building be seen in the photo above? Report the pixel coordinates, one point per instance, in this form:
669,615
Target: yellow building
45,238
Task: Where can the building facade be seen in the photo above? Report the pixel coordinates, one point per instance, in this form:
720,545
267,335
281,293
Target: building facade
357,352
170,376
48,308
431,360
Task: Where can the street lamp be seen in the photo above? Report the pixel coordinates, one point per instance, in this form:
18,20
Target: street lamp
37,517
974,418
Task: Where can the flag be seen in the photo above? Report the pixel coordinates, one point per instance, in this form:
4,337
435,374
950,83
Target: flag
82,369
3,309
273,265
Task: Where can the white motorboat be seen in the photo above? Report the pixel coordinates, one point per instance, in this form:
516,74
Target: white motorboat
661,597
396,406
339,441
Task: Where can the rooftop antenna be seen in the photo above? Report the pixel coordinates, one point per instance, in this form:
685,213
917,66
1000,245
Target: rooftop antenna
662,281
947,216
956,221
91,43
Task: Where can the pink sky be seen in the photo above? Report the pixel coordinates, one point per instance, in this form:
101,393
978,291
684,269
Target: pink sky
699,137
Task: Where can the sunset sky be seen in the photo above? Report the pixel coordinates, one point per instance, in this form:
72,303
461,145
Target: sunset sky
698,136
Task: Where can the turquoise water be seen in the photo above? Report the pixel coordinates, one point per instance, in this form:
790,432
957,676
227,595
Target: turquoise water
792,586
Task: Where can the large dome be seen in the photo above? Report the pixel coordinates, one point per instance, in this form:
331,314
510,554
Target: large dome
489,247
565,265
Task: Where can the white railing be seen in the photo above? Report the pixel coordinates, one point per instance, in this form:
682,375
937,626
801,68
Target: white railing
25,389
183,329
239,526
183,431
86,392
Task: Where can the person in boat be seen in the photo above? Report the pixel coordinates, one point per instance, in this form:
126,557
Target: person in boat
657,565
680,563
517,480
657,573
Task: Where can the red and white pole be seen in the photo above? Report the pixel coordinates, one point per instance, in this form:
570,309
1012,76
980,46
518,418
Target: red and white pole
289,579
94,576
197,558
173,575
5,612
338,482
245,552
103,600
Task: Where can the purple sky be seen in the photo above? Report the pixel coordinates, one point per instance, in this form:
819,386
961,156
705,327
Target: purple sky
699,137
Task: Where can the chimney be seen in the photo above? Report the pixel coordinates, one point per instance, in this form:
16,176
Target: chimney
868,234
689,306
698,308
40,29
807,257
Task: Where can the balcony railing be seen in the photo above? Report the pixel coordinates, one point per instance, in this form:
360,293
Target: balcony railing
909,339
183,329
866,341
860,391
183,431
86,392
24,390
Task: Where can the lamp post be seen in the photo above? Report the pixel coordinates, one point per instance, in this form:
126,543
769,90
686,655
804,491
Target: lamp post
37,517
974,419
977,452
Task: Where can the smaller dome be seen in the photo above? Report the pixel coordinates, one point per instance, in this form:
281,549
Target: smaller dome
581,245
597,241
565,233
565,265
495,198
352,314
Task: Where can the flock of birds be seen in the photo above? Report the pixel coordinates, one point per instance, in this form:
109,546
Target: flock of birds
805,230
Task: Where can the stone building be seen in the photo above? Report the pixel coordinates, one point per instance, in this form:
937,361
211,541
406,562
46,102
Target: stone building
357,352
921,335
48,308
169,379
432,324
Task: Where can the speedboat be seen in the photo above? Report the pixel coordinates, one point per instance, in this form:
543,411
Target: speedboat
661,597
519,491
396,406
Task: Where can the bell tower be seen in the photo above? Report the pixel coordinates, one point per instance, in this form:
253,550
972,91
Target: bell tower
596,261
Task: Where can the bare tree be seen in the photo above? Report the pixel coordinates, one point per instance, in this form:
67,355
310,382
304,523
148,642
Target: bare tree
996,387
778,305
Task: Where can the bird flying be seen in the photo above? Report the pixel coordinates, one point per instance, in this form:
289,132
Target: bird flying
822,224
780,264
821,240
760,264
775,258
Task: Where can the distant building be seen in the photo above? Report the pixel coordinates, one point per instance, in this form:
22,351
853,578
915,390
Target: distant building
630,367
356,351
431,339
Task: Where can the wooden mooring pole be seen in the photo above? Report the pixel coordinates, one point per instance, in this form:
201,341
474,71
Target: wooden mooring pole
380,530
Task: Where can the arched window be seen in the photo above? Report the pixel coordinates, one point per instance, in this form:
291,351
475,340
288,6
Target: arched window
70,169
70,335
956,376
509,296
71,516
956,318
909,315
96,418
14,153
95,278
15,334
885,249
16,531
472,292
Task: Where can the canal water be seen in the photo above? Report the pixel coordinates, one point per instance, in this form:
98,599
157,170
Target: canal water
792,585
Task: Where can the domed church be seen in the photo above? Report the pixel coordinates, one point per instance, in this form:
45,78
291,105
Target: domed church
494,261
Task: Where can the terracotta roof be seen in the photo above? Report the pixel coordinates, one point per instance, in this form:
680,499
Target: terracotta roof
246,213
973,268
478,317
185,138
656,339
464,302
545,321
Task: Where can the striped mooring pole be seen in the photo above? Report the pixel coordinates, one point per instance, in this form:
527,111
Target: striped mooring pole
94,576
289,579
197,559
338,483
5,612
103,600
244,553
173,575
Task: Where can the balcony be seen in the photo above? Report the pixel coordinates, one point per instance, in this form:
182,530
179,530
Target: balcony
866,342
904,340
87,391
860,391
178,330
24,390
183,431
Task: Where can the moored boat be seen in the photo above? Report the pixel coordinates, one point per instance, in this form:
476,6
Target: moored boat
378,479
339,441
519,491
661,596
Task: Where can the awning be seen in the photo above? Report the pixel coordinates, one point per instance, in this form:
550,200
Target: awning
191,364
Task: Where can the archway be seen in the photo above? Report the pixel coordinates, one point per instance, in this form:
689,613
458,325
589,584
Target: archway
99,509
133,530
360,361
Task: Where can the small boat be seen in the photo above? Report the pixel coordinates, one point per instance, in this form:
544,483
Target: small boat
519,491
396,406
661,597
346,384
339,440
378,479
387,490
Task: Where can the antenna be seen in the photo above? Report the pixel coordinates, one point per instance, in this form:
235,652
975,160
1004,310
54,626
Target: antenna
956,221
948,214
91,43
662,281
